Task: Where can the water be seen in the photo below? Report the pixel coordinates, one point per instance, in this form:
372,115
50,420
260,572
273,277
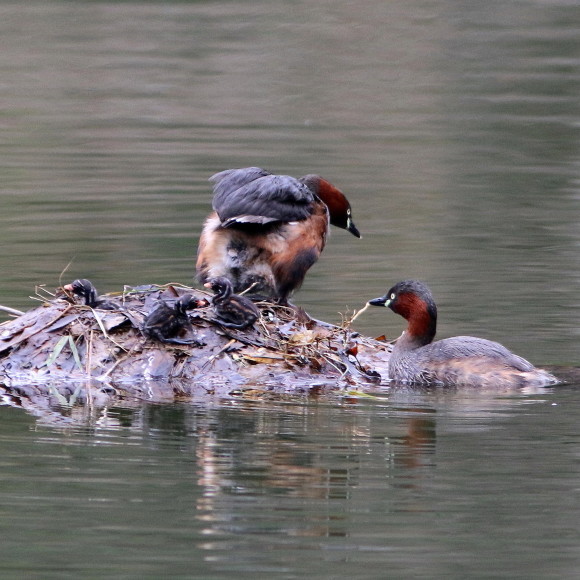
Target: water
422,485
453,128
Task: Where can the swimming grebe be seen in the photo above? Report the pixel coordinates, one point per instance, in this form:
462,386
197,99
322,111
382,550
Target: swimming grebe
85,290
461,360
169,324
233,311
268,230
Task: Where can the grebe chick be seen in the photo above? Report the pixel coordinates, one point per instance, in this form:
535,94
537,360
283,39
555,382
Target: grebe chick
461,360
233,310
169,323
85,290
268,230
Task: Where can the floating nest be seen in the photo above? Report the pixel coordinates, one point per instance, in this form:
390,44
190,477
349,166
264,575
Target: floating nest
68,353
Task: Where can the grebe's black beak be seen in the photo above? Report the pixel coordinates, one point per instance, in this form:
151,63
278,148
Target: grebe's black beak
382,301
352,228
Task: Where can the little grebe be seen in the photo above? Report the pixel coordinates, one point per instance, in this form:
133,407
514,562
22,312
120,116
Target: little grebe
169,324
461,360
233,311
267,230
85,290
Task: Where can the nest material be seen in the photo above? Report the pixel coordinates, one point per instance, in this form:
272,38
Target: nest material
61,343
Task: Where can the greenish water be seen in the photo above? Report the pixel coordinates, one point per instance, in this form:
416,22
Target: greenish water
453,127
409,485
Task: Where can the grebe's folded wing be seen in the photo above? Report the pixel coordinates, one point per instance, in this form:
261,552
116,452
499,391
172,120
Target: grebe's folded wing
463,347
252,195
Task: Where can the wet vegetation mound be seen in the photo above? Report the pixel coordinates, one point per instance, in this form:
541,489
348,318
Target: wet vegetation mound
72,352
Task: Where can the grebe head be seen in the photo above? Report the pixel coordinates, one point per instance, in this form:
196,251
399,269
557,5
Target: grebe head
221,287
413,301
83,288
336,202
185,303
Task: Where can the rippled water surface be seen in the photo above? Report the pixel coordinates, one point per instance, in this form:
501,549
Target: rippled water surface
454,129
406,485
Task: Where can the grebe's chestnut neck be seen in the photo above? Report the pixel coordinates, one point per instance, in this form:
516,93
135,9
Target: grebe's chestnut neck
339,209
413,301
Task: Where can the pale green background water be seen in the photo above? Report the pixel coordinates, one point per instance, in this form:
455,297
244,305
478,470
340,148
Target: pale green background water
453,127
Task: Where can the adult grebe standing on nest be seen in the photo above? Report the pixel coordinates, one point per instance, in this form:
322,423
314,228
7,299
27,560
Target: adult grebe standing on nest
268,230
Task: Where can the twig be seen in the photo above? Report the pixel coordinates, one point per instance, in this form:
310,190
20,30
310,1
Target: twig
88,371
89,354
121,359
11,310
64,270
213,357
104,331
248,289
39,287
358,313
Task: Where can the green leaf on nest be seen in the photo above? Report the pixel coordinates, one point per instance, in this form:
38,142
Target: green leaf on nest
58,349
